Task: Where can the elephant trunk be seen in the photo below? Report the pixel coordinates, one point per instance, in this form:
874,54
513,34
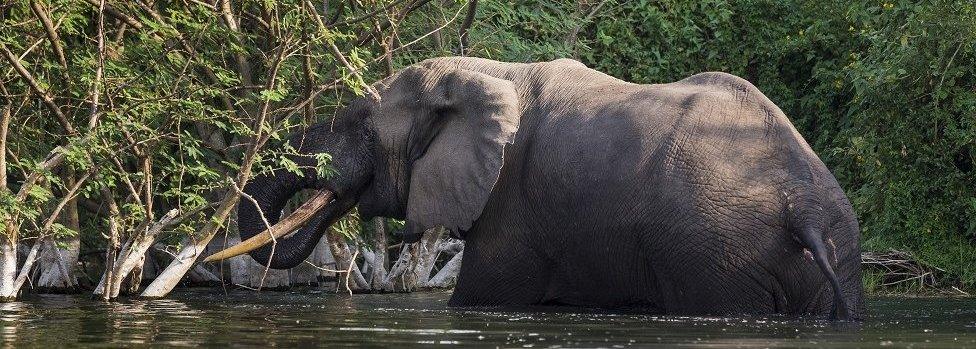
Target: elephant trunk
266,238
271,193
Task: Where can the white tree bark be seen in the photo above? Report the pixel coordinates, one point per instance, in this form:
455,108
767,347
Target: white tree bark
377,257
344,260
57,265
8,268
194,246
240,265
413,267
132,256
322,257
303,274
447,276
262,277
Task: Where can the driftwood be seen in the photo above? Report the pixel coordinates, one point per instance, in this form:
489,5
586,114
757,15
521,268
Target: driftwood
902,269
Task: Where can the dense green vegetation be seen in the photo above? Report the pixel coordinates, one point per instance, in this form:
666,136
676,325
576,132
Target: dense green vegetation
184,97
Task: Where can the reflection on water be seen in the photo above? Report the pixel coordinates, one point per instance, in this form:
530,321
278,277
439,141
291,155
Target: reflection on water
206,317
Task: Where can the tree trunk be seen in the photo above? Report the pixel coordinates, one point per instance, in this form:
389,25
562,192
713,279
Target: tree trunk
379,256
262,277
447,276
322,257
345,261
239,274
303,275
193,246
111,250
412,269
8,266
132,257
57,264
8,241
134,280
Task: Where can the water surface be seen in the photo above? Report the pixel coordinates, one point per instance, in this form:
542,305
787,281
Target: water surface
208,317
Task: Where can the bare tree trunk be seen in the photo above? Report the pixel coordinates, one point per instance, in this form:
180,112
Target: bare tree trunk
201,276
303,275
134,280
8,267
111,250
57,264
322,256
8,241
262,277
463,31
412,269
193,246
132,257
344,261
447,276
239,274
378,258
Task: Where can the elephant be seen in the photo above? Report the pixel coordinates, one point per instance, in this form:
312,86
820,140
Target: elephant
574,188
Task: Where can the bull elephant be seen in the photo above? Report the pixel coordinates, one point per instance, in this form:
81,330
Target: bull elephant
572,187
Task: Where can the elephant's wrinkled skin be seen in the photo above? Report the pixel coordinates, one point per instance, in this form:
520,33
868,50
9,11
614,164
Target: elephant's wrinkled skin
573,187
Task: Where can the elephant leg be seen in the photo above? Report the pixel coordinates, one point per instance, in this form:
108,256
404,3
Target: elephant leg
500,273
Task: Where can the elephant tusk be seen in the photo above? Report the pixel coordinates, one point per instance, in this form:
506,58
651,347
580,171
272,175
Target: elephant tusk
284,227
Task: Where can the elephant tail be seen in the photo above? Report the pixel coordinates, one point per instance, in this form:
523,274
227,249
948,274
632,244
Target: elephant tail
809,231
814,242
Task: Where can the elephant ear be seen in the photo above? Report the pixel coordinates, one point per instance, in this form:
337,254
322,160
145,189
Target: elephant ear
459,149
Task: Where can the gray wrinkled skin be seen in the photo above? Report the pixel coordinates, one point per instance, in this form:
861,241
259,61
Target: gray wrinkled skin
573,187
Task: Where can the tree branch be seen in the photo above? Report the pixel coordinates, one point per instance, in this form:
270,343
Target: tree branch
52,34
338,54
468,21
37,89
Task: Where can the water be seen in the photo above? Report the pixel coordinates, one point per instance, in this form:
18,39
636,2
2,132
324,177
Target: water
207,317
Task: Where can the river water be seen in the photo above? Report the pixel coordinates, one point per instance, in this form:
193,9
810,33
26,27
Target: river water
208,317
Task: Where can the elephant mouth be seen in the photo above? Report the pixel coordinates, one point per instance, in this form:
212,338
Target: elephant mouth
295,220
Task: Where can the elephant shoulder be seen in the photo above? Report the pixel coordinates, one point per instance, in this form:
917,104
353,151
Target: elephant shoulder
483,65
723,91
567,62
723,82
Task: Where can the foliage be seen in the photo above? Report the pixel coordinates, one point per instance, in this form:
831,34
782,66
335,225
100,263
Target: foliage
168,104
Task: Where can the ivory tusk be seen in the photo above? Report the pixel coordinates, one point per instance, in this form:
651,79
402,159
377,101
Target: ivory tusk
284,227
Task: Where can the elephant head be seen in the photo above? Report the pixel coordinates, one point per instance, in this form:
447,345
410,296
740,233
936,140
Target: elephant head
429,151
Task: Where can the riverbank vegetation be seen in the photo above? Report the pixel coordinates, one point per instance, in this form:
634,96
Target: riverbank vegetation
129,127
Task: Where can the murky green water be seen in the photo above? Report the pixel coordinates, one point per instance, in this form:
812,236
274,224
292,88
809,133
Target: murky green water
207,317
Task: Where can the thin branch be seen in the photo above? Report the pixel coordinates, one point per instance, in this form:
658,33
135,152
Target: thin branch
468,21
4,126
348,270
242,64
68,196
362,39
112,11
338,54
368,15
99,69
45,95
52,34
